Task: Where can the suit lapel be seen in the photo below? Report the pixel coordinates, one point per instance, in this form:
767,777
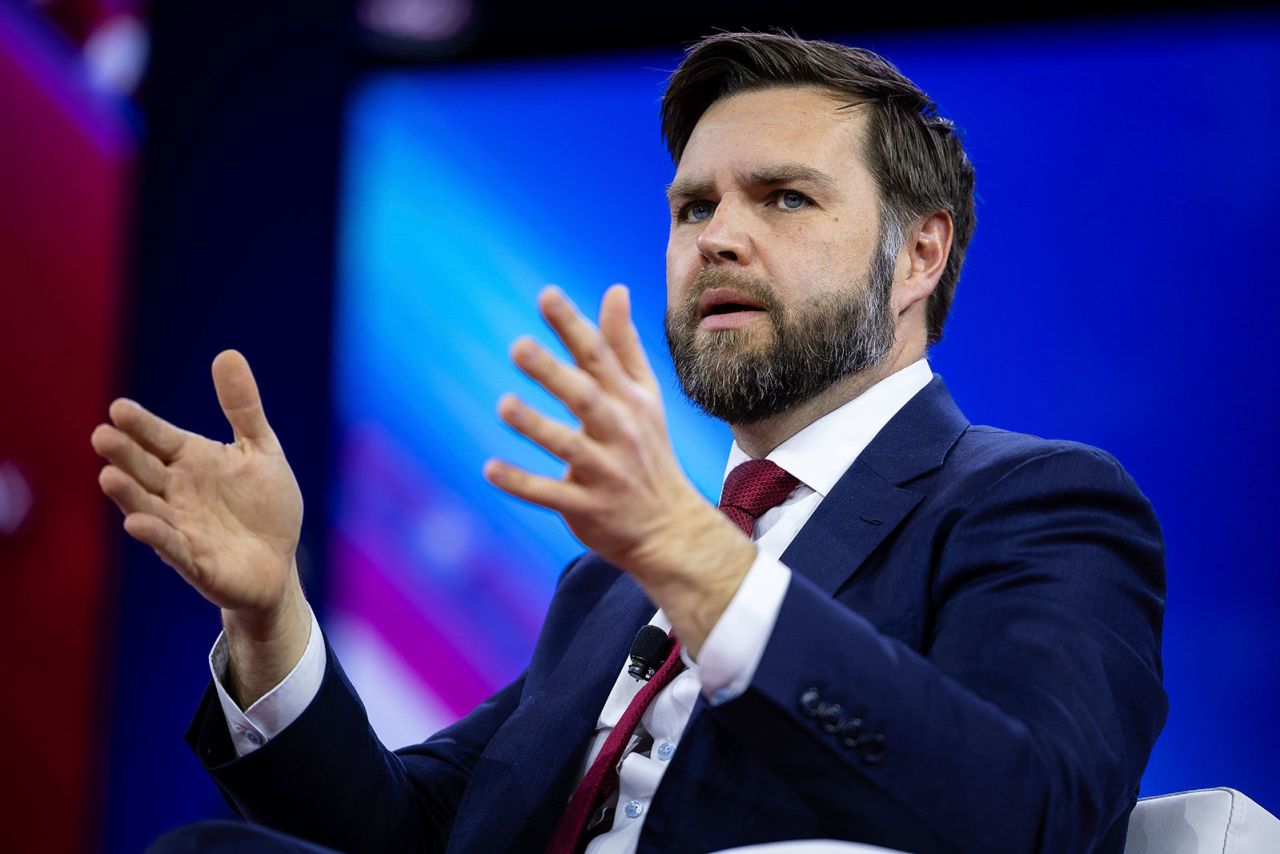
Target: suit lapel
869,501
518,791
859,513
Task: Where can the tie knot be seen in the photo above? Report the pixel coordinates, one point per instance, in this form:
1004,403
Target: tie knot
753,488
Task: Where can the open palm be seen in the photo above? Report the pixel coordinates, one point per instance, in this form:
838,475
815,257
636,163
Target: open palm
227,517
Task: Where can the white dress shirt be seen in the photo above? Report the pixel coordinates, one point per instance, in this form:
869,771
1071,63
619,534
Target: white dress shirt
817,456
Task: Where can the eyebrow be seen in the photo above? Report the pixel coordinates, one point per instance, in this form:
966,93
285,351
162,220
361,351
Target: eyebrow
768,176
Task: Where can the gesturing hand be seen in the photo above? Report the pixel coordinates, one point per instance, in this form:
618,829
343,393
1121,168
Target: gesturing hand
624,494
227,517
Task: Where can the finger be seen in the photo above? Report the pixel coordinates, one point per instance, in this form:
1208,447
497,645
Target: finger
621,335
170,545
555,438
584,342
147,429
238,396
558,495
132,458
573,387
129,495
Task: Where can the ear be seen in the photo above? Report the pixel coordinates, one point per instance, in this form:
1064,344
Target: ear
924,255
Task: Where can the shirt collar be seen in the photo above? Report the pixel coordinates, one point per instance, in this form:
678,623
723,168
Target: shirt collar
820,454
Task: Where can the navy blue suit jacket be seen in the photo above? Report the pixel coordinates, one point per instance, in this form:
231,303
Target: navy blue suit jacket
967,659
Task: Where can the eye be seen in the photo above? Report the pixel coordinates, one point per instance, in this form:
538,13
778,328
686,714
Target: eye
696,211
791,200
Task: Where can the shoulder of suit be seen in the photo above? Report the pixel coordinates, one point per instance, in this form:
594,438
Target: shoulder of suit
588,573
985,453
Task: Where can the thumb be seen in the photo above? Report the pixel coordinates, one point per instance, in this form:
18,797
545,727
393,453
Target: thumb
238,396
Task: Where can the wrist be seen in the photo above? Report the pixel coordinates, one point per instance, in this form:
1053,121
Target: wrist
266,624
263,647
699,573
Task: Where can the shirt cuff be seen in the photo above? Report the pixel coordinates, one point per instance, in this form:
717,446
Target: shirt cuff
732,651
279,707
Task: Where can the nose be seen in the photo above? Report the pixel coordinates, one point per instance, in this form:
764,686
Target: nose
725,237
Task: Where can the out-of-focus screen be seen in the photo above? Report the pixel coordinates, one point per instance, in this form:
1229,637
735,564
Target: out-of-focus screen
466,193
1112,162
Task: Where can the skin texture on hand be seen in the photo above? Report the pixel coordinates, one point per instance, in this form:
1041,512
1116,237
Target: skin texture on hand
226,517
624,494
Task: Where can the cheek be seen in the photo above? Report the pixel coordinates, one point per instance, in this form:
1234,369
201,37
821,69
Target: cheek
804,262
679,268
839,257
836,274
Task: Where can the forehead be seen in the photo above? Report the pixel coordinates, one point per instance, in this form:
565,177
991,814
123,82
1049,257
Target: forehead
751,130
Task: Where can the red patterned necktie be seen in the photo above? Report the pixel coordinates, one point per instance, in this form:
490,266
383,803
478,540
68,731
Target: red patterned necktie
753,488
749,490
602,777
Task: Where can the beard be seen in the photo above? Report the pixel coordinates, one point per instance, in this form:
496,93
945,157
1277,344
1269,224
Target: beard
814,345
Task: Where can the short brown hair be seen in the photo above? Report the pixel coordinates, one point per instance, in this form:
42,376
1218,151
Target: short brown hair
915,155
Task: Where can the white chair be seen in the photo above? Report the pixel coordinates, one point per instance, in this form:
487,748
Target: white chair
1203,821
809,846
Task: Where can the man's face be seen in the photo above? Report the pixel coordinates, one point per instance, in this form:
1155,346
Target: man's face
778,278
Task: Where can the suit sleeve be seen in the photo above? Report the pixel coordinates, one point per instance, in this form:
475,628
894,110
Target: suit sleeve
1025,722
327,778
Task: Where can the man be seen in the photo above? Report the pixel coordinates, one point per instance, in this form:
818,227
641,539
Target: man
898,629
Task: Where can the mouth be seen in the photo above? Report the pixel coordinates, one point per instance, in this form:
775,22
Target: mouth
725,308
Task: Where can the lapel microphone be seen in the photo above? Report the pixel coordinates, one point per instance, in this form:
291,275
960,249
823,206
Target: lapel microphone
648,651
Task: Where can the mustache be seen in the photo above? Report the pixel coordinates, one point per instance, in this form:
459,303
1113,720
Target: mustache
756,290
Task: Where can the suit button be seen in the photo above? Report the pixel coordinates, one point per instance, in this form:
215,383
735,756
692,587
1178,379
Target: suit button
852,732
872,749
810,700
831,717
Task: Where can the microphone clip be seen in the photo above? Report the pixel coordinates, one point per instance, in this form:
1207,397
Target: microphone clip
648,651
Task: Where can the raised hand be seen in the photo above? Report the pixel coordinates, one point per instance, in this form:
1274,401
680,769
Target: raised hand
227,517
624,494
